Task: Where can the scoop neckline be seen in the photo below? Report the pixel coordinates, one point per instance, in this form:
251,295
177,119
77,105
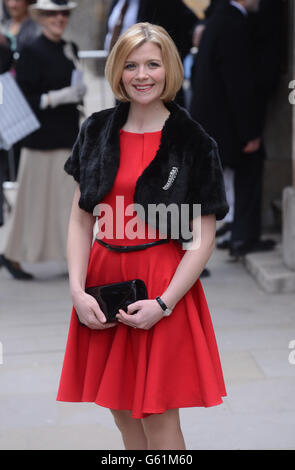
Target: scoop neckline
140,133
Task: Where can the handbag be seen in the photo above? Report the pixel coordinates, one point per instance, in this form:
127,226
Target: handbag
118,295
17,120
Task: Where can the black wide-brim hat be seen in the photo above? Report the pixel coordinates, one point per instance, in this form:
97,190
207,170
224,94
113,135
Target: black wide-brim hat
53,5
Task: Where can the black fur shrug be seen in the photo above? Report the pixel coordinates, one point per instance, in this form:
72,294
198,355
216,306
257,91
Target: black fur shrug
185,170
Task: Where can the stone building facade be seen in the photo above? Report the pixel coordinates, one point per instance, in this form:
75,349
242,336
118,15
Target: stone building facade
88,23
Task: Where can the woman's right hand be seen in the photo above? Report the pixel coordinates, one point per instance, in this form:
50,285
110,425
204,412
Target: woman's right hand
89,312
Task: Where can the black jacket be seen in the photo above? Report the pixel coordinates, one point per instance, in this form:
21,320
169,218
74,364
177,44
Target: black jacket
5,58
266,33
266,36
184,144
43,67
223,83
173,15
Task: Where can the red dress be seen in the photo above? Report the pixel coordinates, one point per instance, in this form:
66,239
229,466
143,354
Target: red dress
176,363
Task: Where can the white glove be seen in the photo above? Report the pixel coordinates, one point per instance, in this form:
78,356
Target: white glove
67,95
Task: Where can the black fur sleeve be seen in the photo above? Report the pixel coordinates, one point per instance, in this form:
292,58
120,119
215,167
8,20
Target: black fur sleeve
208,188
72,165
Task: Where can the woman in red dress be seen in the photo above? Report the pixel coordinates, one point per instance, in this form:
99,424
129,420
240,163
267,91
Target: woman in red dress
160,355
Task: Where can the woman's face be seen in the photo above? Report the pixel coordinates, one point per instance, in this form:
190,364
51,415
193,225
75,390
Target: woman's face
17,9
144,74
54,23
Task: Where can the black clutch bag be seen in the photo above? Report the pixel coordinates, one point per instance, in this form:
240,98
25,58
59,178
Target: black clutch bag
112,297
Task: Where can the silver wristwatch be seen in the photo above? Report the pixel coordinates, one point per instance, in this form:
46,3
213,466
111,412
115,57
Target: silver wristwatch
167,311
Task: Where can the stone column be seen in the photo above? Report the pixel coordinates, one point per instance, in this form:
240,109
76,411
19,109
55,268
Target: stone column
87,27
288,235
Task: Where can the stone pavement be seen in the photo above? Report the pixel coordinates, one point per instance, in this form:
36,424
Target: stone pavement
253,328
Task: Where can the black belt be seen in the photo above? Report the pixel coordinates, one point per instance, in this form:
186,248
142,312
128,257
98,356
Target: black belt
127,248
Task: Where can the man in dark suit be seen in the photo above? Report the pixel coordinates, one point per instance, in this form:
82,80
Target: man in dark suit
224,101
173,15
266,34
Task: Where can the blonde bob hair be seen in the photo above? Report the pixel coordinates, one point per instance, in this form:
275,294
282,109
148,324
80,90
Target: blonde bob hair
134,37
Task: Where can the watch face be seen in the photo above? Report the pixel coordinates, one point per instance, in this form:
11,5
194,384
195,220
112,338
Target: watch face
167,312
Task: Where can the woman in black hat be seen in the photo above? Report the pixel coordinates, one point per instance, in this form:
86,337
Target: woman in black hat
16,30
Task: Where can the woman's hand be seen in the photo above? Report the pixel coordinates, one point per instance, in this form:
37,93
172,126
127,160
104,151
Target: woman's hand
148,314
197,34
89,312
252,146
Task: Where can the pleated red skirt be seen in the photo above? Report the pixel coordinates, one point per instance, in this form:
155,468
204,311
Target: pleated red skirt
176,363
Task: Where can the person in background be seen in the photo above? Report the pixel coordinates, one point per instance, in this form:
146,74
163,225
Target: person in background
20,29
265,27
265,23
45,72
224,101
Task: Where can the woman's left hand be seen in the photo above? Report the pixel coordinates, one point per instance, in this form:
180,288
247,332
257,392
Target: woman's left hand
148,314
